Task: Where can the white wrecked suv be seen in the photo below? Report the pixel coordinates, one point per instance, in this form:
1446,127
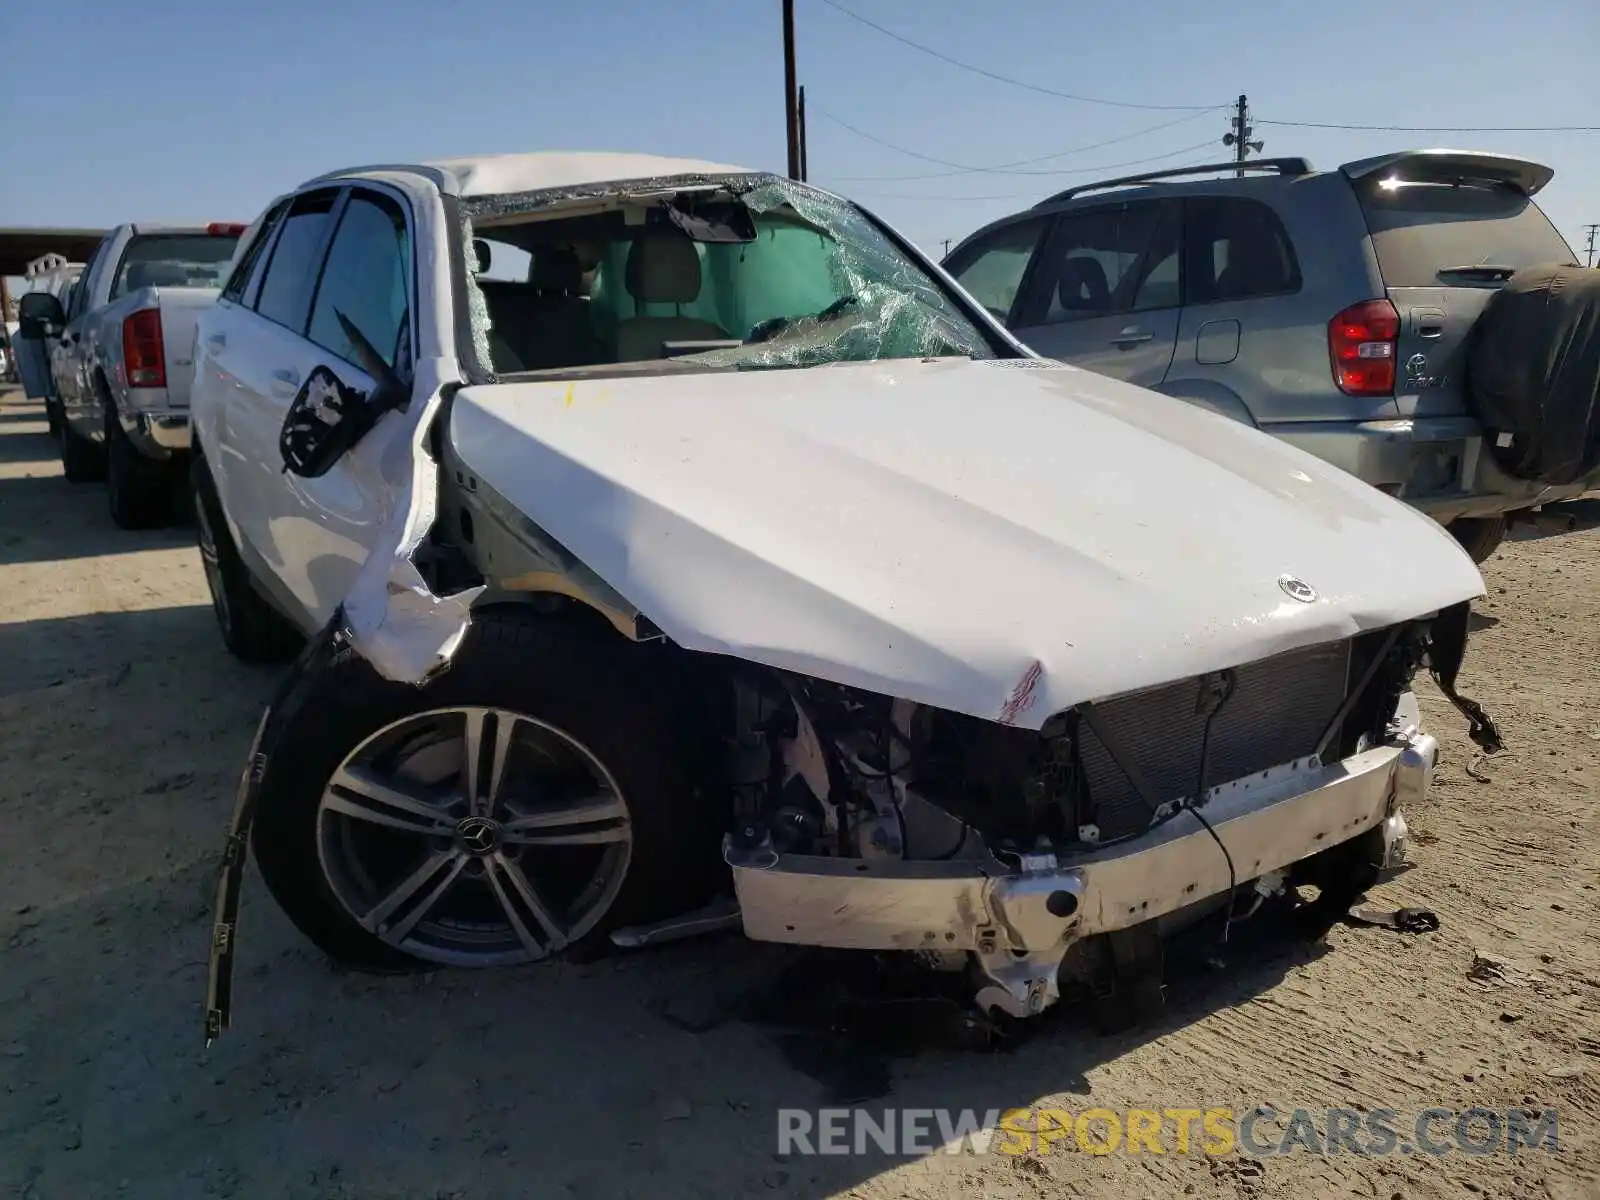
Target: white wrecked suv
679,547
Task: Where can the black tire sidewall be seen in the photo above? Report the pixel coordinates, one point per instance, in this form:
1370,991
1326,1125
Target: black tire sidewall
254,633
1480,537
605,696
134,484
81,460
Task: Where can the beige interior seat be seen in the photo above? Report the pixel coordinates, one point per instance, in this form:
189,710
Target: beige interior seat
662,268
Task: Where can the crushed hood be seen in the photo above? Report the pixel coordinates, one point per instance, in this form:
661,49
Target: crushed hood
1000,538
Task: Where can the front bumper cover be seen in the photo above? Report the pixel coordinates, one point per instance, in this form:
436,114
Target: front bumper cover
1020,919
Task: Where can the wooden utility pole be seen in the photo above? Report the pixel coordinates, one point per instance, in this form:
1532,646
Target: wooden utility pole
791,98
1239,136
805,166
1588,259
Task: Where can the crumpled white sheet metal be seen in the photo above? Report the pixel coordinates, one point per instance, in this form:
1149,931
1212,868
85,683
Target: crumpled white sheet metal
998,542
395,621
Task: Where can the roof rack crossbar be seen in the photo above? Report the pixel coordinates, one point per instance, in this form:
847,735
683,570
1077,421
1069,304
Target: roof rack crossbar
1278,166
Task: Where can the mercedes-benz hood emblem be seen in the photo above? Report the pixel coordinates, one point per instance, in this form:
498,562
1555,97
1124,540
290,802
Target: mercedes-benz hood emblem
1297,589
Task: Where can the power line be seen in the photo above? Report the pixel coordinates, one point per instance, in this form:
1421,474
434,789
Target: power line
987,74
1102,169
1433,128
1004,168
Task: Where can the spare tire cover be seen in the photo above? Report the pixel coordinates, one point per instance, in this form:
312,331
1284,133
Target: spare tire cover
1533,373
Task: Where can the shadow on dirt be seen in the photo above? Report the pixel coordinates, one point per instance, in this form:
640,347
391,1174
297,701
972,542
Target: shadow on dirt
1585,514
585,1075
43,518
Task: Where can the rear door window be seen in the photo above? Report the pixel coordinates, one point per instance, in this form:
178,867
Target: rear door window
1419,230
234,289
1236,249
285,293
992,268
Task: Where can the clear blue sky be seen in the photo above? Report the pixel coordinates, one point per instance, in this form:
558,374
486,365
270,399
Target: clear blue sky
186,109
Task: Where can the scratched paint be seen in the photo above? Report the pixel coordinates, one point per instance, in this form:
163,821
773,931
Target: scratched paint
1022,696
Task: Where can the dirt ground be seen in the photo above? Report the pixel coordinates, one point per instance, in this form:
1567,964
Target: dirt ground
122,729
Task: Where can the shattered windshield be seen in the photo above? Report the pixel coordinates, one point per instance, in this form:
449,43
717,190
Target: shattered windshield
721,278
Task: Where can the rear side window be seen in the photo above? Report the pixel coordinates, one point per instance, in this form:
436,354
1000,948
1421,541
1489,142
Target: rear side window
1237,249
991,269
291,271
1107,262
1421,229
364,280
173,260
240,279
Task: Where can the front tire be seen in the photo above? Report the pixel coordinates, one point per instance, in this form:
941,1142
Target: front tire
537,795
253,631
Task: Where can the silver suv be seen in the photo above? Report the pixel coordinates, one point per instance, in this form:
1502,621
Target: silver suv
1330,308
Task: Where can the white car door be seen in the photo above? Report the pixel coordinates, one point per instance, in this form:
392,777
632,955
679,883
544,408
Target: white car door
314,533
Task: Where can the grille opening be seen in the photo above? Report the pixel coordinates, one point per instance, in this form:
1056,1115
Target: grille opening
1279,709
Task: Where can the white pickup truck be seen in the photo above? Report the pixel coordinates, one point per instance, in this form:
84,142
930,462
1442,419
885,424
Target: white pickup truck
125,359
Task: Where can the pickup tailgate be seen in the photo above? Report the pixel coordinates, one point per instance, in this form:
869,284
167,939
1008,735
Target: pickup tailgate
180,309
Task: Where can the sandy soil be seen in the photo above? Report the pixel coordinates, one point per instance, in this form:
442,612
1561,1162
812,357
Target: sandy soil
122,728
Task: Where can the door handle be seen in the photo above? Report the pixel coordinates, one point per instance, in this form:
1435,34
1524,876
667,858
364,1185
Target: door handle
1131,336
285,384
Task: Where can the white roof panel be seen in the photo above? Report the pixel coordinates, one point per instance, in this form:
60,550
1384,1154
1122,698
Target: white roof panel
499,174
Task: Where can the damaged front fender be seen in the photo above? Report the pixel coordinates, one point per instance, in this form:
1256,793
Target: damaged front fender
1447,649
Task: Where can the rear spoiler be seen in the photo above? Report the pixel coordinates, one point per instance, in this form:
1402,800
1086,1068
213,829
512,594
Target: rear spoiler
1447,166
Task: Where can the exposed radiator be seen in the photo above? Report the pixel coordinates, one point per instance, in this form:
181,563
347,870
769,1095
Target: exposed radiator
1279,708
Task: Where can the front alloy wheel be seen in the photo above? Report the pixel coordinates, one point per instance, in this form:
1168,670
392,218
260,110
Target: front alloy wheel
544,789
474,837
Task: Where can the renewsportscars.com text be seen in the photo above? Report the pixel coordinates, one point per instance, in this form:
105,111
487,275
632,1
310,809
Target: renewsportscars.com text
1259,1132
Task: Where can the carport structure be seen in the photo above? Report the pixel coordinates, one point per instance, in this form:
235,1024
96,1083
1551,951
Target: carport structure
20,246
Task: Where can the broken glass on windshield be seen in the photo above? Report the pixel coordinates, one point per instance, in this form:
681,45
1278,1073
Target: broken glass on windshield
753,273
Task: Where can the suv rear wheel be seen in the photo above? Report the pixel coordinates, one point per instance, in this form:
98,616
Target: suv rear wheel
532,798
1479,536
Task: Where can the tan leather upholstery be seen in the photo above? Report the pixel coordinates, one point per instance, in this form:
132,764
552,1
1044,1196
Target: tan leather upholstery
662,268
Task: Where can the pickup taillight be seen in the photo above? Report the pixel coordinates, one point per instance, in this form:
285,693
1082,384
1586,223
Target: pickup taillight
1362,342
143,355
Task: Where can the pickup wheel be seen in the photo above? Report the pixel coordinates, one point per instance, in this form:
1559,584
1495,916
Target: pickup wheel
81,460
252,629
535,796
139,490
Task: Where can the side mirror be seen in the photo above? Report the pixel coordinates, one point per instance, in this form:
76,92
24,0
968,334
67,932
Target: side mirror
39,315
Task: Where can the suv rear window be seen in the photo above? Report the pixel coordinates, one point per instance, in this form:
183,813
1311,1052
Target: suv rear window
173,260
1418,229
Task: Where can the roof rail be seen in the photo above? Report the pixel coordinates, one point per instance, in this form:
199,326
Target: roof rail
1278,166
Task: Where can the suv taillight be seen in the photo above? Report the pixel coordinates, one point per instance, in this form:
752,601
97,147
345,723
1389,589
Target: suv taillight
143,355
1361,344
